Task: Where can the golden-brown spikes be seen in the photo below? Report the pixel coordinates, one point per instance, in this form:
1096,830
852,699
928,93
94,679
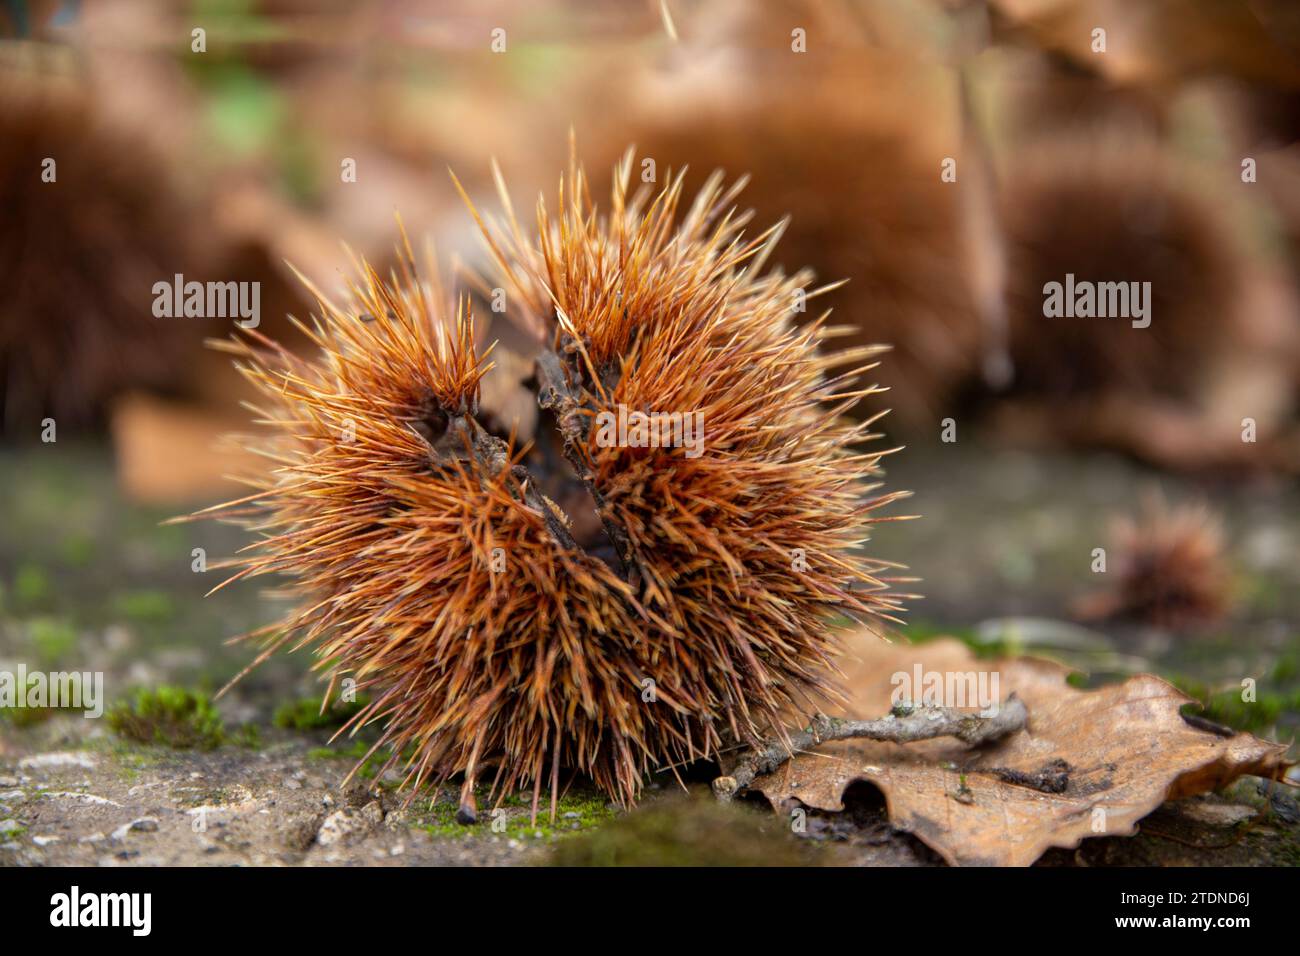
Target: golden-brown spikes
499,638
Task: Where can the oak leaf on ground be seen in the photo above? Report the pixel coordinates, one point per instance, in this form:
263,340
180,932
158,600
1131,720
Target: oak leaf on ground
1090,763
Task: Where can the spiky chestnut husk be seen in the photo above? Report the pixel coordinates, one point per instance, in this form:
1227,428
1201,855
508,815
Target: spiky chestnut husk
864,201
1109,209
78,260
1168,568
391,536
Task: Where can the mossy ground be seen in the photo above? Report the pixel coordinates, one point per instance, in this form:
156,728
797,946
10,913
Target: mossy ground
311,713
169,716
90,581
686,832
578,810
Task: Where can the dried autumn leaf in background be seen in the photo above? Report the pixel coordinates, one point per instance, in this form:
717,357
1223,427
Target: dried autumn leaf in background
170,452
1162,41
1125,749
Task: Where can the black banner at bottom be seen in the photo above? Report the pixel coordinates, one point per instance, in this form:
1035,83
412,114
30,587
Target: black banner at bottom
231,906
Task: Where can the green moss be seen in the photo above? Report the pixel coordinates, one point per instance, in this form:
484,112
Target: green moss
687,833
323,753
171,716
25,716
145,607
921,631
354,751
77,550
131,760
1227,707
31,586
248,736
1286,669
574,813
307,714
1263,595
52,638
511,817
440,821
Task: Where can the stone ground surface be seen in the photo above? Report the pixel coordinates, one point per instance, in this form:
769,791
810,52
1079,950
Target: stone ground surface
91,582
109,804
140,806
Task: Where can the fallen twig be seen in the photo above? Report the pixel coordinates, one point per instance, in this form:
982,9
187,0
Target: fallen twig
904,724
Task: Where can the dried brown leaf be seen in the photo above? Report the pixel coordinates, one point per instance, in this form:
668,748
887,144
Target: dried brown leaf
1126,746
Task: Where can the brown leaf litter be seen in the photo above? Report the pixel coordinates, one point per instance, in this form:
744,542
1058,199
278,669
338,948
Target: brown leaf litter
1091,763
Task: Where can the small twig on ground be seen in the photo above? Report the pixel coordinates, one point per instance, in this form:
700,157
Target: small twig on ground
904,724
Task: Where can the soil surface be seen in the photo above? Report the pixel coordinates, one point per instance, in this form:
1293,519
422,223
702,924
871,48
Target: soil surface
92,582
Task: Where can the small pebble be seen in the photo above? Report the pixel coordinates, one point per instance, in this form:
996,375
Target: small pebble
84,797
85,761
1218,814
142,825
